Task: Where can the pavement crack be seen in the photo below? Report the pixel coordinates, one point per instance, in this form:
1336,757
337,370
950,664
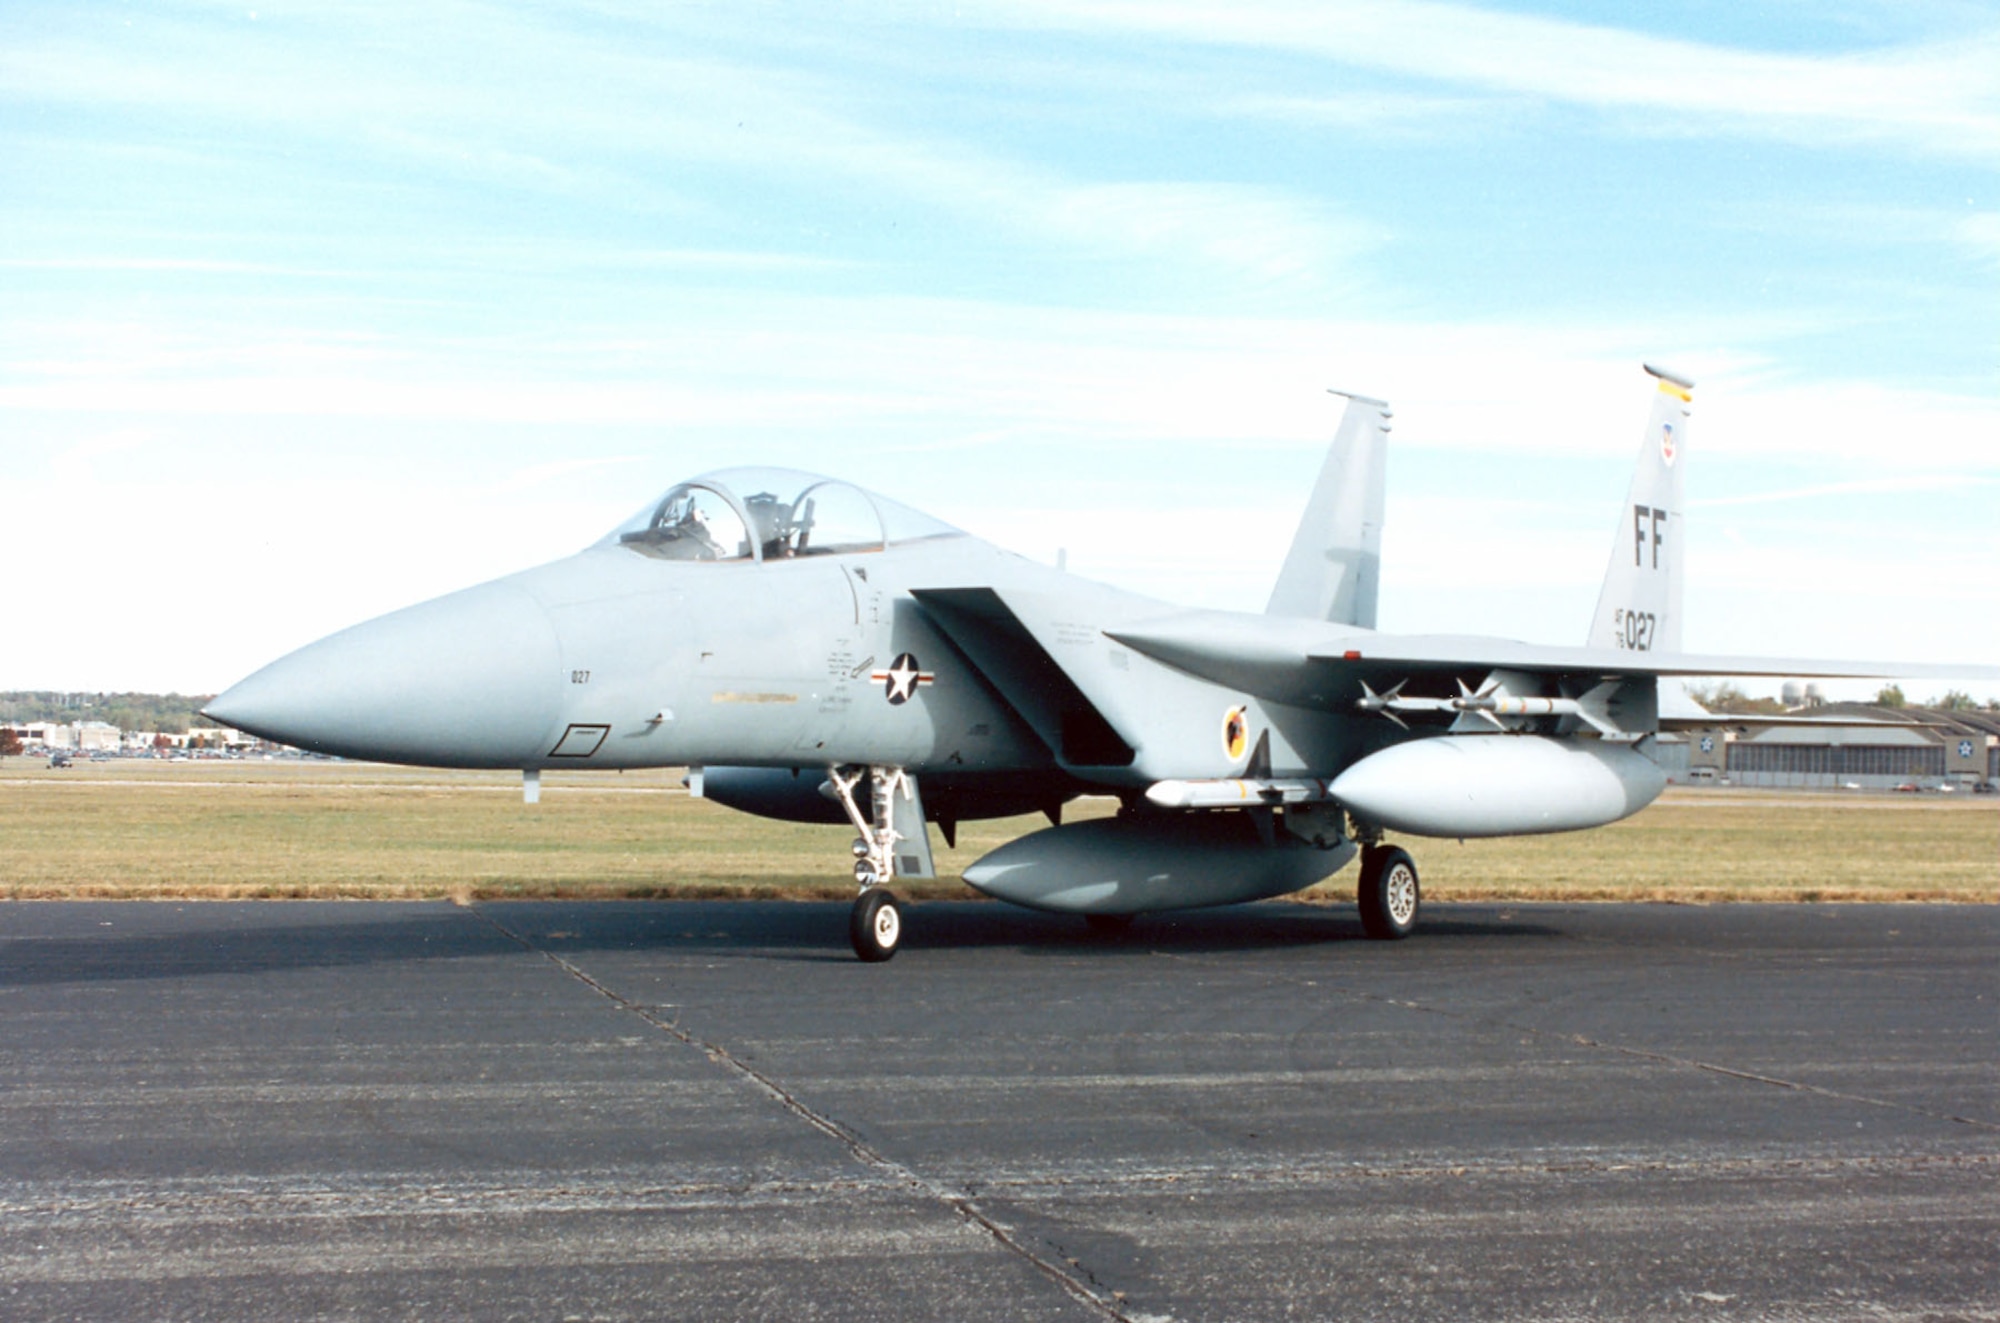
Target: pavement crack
1076,1282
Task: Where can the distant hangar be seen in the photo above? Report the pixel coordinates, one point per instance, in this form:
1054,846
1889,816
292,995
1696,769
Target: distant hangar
1855,745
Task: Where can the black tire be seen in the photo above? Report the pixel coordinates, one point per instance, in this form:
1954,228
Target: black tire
876,925
1110,925
1388,894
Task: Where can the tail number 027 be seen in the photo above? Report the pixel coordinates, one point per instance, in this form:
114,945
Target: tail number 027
1633,630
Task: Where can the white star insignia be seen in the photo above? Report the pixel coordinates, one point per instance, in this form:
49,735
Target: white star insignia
902,680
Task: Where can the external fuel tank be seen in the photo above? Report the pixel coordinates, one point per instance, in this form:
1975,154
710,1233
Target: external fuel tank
1498,785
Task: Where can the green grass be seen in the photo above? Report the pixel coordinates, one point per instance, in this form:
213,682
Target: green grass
229,830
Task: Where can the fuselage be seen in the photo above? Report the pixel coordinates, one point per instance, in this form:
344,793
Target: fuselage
835,629
609,659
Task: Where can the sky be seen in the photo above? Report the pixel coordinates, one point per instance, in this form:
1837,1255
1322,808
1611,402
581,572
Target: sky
310,312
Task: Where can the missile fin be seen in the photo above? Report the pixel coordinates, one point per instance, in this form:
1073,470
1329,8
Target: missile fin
1595,708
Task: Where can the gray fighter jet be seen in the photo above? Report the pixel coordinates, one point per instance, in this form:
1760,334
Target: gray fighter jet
815,652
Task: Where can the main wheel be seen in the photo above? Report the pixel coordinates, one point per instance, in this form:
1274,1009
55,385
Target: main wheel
876,925
1388,893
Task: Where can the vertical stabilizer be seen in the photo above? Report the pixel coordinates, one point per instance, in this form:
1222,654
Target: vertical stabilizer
1639,607
1335,562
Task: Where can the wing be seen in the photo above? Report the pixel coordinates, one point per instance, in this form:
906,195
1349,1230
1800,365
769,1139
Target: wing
1312,665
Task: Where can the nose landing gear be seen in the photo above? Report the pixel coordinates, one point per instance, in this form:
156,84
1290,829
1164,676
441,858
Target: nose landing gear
893,842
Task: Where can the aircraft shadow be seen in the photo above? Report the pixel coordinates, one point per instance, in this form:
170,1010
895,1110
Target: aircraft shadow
229,938
798,930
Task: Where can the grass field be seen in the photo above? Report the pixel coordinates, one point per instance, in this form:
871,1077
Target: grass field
225,830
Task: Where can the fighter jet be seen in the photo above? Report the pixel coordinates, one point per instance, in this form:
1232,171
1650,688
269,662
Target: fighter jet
811,651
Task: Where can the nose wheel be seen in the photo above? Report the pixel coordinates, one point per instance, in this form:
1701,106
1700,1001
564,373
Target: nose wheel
876,925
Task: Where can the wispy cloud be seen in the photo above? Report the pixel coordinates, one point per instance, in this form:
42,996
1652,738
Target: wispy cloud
536,476
1382,113
869,376
632,121
1980,235
1942,98
204,265
1883,486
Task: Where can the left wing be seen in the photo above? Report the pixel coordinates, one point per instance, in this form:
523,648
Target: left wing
1314,665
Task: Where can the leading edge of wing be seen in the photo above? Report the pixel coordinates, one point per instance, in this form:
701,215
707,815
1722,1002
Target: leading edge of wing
1288,660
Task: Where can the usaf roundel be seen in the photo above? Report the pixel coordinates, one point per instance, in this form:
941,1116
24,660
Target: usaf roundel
1965,748
903,678
1708,744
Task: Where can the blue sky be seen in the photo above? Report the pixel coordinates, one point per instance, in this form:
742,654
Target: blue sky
307,313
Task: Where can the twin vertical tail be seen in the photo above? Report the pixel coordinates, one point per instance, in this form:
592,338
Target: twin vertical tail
1335,565
1639,607
1334,568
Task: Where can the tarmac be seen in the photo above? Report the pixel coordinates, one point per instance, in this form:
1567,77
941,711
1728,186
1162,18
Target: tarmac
711,1110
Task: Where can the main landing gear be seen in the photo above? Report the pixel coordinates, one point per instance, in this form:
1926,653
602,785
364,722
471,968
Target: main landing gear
1388,893
892,841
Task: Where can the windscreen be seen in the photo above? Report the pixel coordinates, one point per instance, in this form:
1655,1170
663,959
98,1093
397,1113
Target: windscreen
771,515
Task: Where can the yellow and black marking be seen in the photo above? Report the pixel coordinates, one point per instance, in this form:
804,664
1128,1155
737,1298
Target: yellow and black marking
1235,734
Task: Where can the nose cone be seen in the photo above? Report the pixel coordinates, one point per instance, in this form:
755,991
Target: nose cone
469,680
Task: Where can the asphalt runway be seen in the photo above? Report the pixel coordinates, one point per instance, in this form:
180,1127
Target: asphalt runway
711,1110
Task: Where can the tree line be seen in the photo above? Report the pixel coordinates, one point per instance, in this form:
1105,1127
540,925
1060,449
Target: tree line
1726,697
174,714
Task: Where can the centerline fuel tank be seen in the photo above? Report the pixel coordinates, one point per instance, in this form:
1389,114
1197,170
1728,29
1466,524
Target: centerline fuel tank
1151,861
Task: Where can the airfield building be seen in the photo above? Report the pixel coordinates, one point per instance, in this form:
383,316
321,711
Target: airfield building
75,736
1884,748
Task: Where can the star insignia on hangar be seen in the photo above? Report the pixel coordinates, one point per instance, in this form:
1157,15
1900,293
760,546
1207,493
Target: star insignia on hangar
903,678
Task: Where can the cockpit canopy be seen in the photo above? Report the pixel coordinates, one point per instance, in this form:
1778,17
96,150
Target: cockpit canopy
770,514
